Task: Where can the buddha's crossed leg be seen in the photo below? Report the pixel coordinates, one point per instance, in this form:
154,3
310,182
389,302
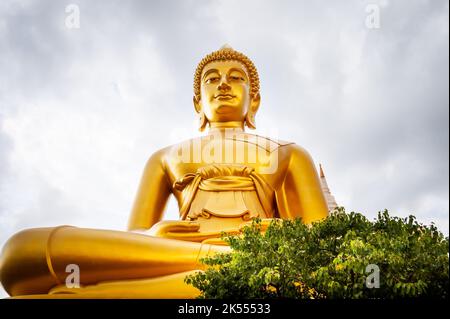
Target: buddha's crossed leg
108,260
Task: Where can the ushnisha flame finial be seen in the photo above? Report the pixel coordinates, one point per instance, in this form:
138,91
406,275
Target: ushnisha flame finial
226,46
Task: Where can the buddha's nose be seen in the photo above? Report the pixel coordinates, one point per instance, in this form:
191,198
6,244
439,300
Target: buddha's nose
223,86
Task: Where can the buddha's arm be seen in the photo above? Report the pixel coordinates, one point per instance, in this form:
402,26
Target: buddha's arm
301,194
153,193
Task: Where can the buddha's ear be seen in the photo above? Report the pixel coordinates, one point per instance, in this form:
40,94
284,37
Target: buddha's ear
197,105
254,106
203,121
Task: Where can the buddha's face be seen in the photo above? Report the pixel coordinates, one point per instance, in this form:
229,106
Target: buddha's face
225,91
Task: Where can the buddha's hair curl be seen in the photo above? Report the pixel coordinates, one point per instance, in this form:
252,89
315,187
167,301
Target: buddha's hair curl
227,54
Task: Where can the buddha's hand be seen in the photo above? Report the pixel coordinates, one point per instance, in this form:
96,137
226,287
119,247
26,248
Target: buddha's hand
165,227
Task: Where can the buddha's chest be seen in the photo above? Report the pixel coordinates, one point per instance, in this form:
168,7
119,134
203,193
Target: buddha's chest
267,160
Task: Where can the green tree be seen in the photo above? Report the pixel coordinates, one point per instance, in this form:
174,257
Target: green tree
329,259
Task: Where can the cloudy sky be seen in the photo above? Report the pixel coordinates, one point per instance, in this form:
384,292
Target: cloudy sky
81,109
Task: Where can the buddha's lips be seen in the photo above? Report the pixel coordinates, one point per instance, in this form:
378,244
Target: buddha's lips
224,97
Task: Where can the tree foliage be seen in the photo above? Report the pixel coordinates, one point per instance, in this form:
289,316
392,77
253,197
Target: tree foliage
329,259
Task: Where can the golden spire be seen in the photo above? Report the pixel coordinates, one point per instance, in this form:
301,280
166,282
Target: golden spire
331,201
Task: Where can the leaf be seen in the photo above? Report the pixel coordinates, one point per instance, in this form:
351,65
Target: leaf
329,260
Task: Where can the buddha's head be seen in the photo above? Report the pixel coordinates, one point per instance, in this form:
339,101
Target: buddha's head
226,90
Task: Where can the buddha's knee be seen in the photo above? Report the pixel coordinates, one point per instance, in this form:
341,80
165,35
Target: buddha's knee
23,262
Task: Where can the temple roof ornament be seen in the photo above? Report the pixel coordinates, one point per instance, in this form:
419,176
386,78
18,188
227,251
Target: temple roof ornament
331,201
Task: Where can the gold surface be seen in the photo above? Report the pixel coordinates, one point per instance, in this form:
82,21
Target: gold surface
221,182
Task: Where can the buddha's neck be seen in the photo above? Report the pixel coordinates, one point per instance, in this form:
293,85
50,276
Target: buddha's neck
221,126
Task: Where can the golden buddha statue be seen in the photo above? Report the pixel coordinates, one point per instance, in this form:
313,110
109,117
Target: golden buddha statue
221,182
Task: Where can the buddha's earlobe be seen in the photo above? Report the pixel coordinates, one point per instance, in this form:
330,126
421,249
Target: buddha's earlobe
203,121
250,121
254,106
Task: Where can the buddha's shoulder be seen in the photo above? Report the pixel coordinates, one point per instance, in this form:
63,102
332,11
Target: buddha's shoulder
272,144
298,153
159,156
267,143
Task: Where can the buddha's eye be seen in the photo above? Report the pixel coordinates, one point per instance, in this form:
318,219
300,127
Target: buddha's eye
212,79
236,78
